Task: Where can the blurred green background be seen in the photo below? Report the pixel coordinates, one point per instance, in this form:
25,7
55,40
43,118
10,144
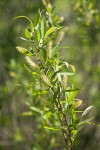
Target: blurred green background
82,18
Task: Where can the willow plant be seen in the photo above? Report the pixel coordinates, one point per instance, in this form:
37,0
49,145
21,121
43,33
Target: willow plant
52,74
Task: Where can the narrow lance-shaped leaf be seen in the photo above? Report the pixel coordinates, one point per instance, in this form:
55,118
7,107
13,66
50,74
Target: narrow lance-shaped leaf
72,67
36,110
24,39
27,33
72,96
52,29
51,128
23,17
43,27
54,50
85,121
38,35
72,90
36,20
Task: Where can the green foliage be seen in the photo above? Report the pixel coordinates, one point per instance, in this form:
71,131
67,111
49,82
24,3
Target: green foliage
50,75
21,127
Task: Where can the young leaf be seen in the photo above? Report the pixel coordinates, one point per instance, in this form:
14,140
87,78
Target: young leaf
38,35
23,17
27,33
43,27
72,96
54,50
50,128
36,110
41,92
54,75
66,64
87,110
72,90
85,121
52,29
31,27
72,67
23,39
43,55
36,20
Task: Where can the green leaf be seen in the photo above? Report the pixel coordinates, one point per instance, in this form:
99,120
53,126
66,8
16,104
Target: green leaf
54,51
36,109
87,110
48,114
50,128
66,64
74,132
52,29
36,20
72,67
54,98
31,27
71,90
72,96
28,113
50,38
23,17
76,122
93,124
43,27
66,73
35,73
43,54
78,102
86,121
38,35
23,39
54,75
27,33
27,69
41,92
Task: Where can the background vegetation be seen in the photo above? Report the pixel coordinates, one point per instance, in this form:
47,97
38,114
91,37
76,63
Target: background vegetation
82,18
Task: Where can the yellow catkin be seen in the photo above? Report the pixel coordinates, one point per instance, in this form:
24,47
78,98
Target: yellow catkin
45,78
49,48
64,82
61,35
21,49
61,19
30,62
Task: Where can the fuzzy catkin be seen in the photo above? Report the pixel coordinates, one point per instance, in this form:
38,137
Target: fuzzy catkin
61,35
49,48
30,62
21,49
64,82
45,79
